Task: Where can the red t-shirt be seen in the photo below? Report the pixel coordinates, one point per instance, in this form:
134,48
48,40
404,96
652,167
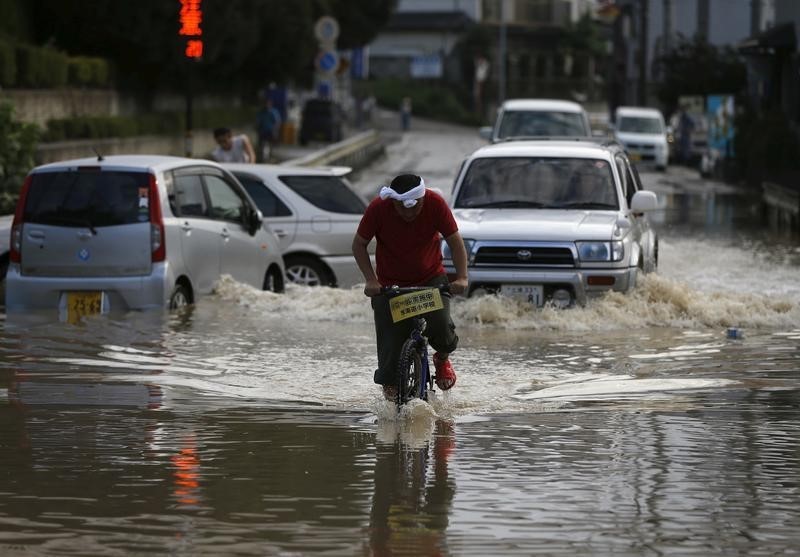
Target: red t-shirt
408,253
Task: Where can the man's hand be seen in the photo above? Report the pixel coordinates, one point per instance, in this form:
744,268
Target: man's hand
458,286
372,288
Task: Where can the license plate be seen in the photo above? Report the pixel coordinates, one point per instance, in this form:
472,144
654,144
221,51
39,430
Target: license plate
634,157
83,304
415,303
529,293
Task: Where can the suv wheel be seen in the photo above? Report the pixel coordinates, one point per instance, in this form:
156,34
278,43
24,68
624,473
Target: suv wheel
307,271
179,297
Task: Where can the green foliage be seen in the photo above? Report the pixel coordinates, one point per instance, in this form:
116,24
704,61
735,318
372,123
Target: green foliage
41,67
695,67
15,19
87,71
247,43
429,100
17,147
8,65
161,123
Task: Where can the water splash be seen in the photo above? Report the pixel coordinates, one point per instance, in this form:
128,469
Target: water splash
657,301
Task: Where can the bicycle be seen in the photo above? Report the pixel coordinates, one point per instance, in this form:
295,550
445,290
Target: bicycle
414,379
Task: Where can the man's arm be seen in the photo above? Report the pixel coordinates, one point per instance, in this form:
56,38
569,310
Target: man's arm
372,286
248,148
456,245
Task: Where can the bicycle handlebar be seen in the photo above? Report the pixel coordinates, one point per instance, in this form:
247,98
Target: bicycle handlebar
397,290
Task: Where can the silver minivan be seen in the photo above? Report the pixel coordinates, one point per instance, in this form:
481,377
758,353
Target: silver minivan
134,232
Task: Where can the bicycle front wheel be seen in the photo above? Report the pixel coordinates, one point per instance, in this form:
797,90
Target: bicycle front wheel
409,373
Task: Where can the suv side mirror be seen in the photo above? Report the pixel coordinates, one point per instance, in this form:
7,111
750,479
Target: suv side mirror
486,132
644,201
254,221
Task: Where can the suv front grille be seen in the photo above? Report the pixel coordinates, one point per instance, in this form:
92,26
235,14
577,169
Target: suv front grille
538,256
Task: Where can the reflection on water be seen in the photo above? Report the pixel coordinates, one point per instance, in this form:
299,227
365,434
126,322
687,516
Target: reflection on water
248,424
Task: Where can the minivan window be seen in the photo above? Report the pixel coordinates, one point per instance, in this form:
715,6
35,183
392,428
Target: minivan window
226,204
190,196
88,198
266,201
329,193
528,123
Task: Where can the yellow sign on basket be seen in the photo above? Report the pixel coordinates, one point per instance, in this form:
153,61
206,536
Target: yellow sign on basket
415,303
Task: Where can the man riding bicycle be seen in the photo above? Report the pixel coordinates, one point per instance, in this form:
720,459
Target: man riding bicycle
408,223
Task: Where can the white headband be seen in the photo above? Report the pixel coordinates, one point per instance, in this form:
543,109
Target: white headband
409,198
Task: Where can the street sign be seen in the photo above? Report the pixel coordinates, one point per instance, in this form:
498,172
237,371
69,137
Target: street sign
326,29
326,61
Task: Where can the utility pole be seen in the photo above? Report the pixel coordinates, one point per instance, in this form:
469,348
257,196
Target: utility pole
501,56
644,16
755,17
667,30
703,14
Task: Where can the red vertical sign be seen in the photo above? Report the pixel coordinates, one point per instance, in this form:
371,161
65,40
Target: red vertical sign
190,17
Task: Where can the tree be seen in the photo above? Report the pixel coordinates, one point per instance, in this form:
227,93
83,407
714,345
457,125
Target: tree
17,148
246,42
695,67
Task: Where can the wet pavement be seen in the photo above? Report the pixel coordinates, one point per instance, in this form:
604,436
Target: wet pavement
248,424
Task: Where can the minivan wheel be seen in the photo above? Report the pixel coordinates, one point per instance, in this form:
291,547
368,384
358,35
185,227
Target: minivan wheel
307,271
273,281
179,297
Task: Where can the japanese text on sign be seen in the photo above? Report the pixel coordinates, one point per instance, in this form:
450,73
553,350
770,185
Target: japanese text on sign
415,303
190,17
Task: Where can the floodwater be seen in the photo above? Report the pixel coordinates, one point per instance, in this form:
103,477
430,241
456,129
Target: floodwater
248,424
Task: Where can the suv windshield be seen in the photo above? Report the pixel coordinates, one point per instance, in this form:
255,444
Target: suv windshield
640,124
540,124
329,193
538,182
88,198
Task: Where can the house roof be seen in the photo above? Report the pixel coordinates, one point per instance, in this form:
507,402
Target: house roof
429,21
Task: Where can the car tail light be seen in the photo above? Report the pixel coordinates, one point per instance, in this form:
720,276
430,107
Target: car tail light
15,253
158,248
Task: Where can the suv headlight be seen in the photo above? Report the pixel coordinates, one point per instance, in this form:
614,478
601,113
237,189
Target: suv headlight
600,251
448,256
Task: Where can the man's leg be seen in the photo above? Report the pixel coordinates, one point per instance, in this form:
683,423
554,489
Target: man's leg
441,333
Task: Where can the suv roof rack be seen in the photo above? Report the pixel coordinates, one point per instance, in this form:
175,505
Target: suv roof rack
603,141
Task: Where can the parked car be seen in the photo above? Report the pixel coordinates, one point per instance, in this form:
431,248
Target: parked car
134,232
643,134
5,232
322,120
553,220
526,118
314,212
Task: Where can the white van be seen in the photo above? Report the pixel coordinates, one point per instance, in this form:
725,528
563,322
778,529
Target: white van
530,118
643,134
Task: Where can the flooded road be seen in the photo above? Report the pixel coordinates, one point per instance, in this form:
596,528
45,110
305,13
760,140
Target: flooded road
249,425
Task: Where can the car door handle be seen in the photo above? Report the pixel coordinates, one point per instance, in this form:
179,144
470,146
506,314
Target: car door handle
280,233
186,227
36,234
225,233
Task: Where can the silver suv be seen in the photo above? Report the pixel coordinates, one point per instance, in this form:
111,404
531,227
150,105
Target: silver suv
553,220
134,232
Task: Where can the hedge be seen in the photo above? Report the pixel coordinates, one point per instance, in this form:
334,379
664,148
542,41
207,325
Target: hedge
431,100
23,65
157,123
